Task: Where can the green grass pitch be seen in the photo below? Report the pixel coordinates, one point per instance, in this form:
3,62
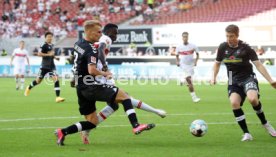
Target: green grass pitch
27,124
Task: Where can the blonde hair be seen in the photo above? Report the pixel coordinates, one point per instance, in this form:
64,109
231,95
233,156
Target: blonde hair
90,24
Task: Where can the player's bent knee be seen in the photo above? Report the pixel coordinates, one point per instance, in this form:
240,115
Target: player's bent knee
121,96
235,104
253,100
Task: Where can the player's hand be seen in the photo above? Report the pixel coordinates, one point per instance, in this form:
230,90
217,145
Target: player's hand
177,64
72,83
105,68
107,73
108,77
213,81
273,84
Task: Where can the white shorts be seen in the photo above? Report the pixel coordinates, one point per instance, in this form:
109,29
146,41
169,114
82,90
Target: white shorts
188,70
19,70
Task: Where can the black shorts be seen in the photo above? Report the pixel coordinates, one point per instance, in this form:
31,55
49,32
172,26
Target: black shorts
43,72
242,87
87,97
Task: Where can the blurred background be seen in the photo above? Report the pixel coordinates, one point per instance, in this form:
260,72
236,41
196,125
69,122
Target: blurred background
149,31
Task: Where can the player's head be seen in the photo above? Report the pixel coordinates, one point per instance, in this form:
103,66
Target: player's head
185,37
111,30
48,37
92,30
22,44
232,34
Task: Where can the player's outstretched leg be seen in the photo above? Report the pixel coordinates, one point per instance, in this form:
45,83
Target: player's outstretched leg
141,105
137,128
269,128
28,88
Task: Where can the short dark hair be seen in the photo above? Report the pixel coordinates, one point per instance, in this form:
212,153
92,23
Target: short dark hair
109,26
185,33
48,33
232,29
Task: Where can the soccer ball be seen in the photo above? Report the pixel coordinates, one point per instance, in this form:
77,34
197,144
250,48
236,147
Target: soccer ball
198,128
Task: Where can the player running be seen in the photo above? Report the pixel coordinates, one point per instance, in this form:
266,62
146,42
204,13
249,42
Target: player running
47,66
242,81
185,59
109,35
18,56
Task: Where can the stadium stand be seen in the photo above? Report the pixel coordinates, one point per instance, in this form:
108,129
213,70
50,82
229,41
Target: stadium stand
31,18
207,11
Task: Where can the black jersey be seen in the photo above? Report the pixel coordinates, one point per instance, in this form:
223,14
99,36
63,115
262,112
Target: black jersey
85,53
237,60
47,62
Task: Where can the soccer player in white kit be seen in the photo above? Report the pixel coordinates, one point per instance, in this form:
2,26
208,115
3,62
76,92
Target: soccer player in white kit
18,60
109,35
185,60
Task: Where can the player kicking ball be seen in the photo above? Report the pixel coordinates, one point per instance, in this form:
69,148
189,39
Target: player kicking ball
109,35
90,90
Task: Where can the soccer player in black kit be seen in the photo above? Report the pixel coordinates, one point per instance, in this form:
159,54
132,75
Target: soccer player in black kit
47,66
242,81
89,90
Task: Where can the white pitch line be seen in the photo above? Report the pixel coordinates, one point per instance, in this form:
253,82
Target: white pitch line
142,115
123,125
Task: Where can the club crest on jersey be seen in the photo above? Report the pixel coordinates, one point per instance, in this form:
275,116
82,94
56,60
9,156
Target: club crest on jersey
238,51
93,59
226,52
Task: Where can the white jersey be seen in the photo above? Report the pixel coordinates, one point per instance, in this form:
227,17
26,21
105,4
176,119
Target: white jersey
186,53
107,41
19,57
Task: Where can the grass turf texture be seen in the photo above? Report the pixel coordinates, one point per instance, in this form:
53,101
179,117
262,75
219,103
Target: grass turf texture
27,124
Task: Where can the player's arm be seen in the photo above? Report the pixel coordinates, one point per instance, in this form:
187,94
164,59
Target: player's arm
177,60
28,61
216,68
92,66
177,56
48,54
101,55
259,66
12,57
196,59
217,63
92,70
197,54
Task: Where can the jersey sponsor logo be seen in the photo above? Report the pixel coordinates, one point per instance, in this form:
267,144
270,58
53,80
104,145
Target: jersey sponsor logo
186,52
20,55
226,52
232,59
